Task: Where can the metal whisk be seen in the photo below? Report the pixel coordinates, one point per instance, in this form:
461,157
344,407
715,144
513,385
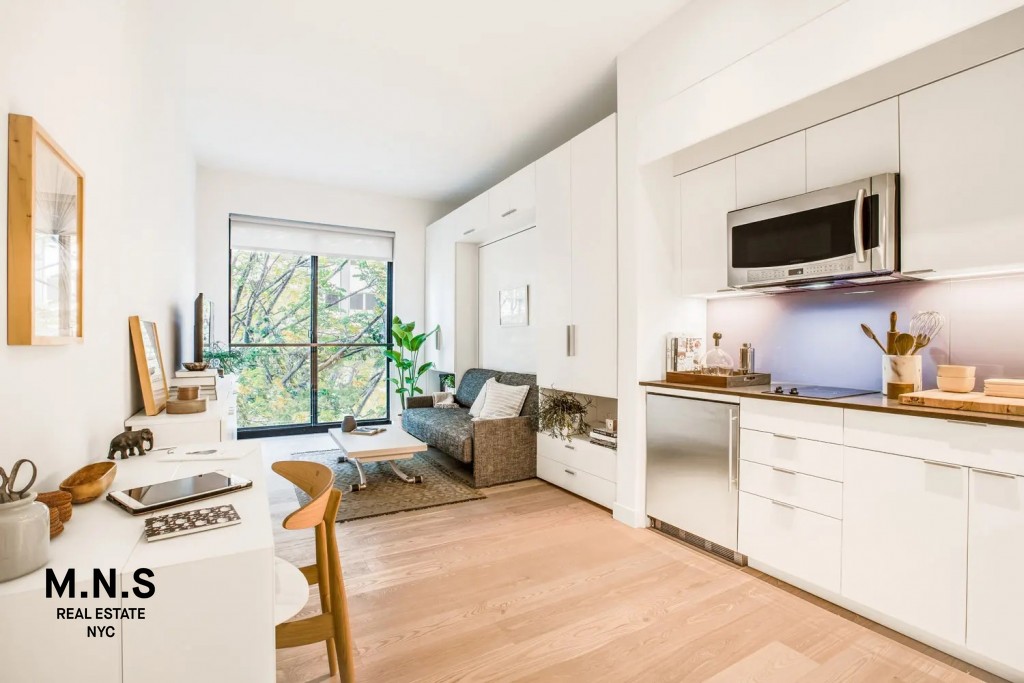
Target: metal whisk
923,327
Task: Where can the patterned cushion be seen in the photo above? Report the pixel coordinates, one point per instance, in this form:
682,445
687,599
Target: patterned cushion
446,429
531,405
502,400
472,382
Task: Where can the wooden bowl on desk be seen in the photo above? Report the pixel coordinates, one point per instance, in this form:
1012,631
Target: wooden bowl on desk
188,393
89,483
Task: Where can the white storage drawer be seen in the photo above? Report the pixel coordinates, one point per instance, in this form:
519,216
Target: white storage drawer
818,423
971,444
801,543
816,458
601,491
579,455
786,486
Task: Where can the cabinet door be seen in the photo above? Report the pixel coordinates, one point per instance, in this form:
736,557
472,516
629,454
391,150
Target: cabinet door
511,203
905,540
962,158
439,303
706,195
859,145
594,263
995,592
772,171
550,304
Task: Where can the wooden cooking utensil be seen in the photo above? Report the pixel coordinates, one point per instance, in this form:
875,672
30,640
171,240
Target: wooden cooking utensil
869,333
920,341
904,344
890,336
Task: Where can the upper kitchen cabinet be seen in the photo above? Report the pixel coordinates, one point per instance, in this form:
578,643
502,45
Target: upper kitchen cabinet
962,160
775,170
511,204
858,145
706,195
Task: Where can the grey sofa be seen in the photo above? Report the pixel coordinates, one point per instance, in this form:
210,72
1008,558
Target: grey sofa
495,451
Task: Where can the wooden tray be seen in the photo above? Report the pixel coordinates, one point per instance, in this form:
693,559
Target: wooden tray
975,401
720,381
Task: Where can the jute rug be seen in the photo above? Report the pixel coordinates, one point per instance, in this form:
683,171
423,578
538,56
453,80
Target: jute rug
386,494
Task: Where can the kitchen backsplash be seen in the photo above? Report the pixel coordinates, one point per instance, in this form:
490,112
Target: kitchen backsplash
815,337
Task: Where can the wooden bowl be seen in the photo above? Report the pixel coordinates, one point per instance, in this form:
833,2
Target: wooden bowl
196,367
90,482
197,405
188,393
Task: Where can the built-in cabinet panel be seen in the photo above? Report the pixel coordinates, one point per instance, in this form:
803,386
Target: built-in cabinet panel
552,302
439,304
578,466
706,196
815,458
905,540
962,160
858,145
775,170
511,204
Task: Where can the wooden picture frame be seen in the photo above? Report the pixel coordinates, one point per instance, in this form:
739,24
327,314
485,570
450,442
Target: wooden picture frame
45,193
149,360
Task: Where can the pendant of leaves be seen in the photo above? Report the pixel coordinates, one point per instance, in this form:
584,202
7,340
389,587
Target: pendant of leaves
406,357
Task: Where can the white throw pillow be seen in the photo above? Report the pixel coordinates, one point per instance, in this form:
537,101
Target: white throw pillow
478,404
503,400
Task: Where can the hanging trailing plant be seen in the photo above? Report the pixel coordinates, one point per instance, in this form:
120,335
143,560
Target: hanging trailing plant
563,414
406,357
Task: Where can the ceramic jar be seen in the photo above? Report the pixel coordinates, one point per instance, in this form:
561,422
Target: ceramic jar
905,370
24,537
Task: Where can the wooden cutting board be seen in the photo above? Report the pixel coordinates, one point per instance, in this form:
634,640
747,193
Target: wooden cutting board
975,401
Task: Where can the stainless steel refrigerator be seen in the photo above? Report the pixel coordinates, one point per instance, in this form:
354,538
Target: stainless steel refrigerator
693,471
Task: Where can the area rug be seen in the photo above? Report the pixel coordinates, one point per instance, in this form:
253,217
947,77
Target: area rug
386,494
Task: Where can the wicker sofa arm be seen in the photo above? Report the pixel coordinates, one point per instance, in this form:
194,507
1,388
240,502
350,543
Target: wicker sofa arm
504,450
419,402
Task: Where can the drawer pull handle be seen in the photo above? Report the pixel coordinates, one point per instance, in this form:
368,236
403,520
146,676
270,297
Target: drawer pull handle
782,505
1001,475
570,472
787,437
779,469
967,422
571,448
947,465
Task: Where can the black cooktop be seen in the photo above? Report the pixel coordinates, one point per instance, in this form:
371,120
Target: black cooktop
816,391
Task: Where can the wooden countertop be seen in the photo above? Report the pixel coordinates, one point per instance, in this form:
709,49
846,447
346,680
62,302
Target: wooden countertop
873,402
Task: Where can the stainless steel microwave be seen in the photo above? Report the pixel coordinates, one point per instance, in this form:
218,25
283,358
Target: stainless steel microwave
844,235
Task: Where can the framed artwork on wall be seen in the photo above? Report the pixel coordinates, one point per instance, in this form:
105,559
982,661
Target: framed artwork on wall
45,191
514,307
150,362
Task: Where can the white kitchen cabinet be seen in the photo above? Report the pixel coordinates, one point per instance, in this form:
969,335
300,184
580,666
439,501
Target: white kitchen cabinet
706,195
552,300
962,158
775,170
858,145
904,549
511,204
995,592
578,466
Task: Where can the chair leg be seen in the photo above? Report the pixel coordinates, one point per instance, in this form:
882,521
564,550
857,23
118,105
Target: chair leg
324,587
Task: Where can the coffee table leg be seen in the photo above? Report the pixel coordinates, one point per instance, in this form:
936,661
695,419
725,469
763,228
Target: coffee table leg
354,488
403,476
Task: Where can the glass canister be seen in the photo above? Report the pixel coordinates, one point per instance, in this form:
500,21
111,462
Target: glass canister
717,361
24,537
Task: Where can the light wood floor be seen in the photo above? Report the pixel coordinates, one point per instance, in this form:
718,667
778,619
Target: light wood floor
534,584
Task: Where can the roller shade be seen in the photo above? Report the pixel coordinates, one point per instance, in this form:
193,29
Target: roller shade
297,237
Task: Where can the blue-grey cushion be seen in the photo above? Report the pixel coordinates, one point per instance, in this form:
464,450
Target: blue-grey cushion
472,382
446,429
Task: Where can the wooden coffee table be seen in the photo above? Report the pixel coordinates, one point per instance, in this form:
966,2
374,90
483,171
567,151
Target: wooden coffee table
390,445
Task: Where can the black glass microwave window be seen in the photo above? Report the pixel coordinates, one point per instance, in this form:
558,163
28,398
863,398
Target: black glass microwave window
813,235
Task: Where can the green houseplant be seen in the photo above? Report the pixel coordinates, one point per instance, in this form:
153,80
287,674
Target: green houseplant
563,414
405,354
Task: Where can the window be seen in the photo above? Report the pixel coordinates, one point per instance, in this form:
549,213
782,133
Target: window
310,316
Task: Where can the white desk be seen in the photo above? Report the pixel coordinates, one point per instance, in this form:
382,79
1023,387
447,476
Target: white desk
211,617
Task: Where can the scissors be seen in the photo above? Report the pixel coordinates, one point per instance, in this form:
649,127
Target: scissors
8,491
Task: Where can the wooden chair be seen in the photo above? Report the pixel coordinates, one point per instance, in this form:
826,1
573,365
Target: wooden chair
319,514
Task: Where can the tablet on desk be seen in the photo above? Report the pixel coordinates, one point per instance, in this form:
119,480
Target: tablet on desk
143,499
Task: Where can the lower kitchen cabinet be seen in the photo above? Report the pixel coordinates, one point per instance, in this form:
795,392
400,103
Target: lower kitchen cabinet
578,466
995,591
904,550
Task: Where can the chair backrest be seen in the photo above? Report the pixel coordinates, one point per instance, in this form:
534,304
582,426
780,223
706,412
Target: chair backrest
317,481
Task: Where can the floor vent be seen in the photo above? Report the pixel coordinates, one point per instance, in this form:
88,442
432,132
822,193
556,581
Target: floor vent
698,542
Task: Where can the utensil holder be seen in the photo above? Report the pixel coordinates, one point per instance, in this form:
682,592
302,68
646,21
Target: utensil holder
907,370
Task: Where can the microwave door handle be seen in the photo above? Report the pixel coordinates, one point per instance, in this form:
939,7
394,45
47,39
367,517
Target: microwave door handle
858,225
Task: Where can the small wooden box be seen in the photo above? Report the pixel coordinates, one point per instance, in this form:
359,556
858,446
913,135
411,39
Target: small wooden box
732,381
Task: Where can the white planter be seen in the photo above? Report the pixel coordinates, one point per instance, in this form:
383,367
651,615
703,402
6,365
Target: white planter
24,537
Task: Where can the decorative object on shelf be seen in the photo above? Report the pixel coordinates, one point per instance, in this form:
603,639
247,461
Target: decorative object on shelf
90,482
563,414
611,424
717,361
14,487
747,358
186,406
606,438
44,238
188,393
130,442
196,367
348,424
684,352
514,307
24,536
447,381
56,525
199,339
150,363
59,501
407,358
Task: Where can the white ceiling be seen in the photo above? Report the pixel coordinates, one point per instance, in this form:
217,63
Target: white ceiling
436,99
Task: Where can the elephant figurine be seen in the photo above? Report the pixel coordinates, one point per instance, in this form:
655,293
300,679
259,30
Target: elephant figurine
129,443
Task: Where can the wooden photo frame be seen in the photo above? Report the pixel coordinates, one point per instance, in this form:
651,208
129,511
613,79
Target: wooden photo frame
45,193
150,362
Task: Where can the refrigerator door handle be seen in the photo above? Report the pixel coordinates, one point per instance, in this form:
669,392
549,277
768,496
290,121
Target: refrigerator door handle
733,451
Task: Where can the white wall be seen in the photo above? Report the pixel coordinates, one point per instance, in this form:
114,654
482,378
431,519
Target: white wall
709,68
86,73
506,264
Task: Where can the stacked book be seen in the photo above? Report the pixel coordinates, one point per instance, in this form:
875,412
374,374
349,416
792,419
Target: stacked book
599,436
206,380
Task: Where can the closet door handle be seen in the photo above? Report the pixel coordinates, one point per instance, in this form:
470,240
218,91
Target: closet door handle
508,213
437,340
570,472
947,465
1001,475
570,340
779,469
782,505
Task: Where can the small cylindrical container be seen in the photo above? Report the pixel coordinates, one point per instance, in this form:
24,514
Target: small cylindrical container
906,370
24,537
747,358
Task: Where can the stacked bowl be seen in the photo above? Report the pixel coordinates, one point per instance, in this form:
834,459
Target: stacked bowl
958,379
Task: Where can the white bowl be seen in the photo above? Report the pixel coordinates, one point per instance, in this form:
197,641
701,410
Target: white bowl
958,385
956,370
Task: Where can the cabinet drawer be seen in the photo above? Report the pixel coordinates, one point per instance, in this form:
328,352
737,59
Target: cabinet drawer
785,486
816,458
818,423
601,491
579,455
804,544
971,444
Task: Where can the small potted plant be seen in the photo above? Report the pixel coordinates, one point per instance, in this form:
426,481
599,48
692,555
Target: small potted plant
563,414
